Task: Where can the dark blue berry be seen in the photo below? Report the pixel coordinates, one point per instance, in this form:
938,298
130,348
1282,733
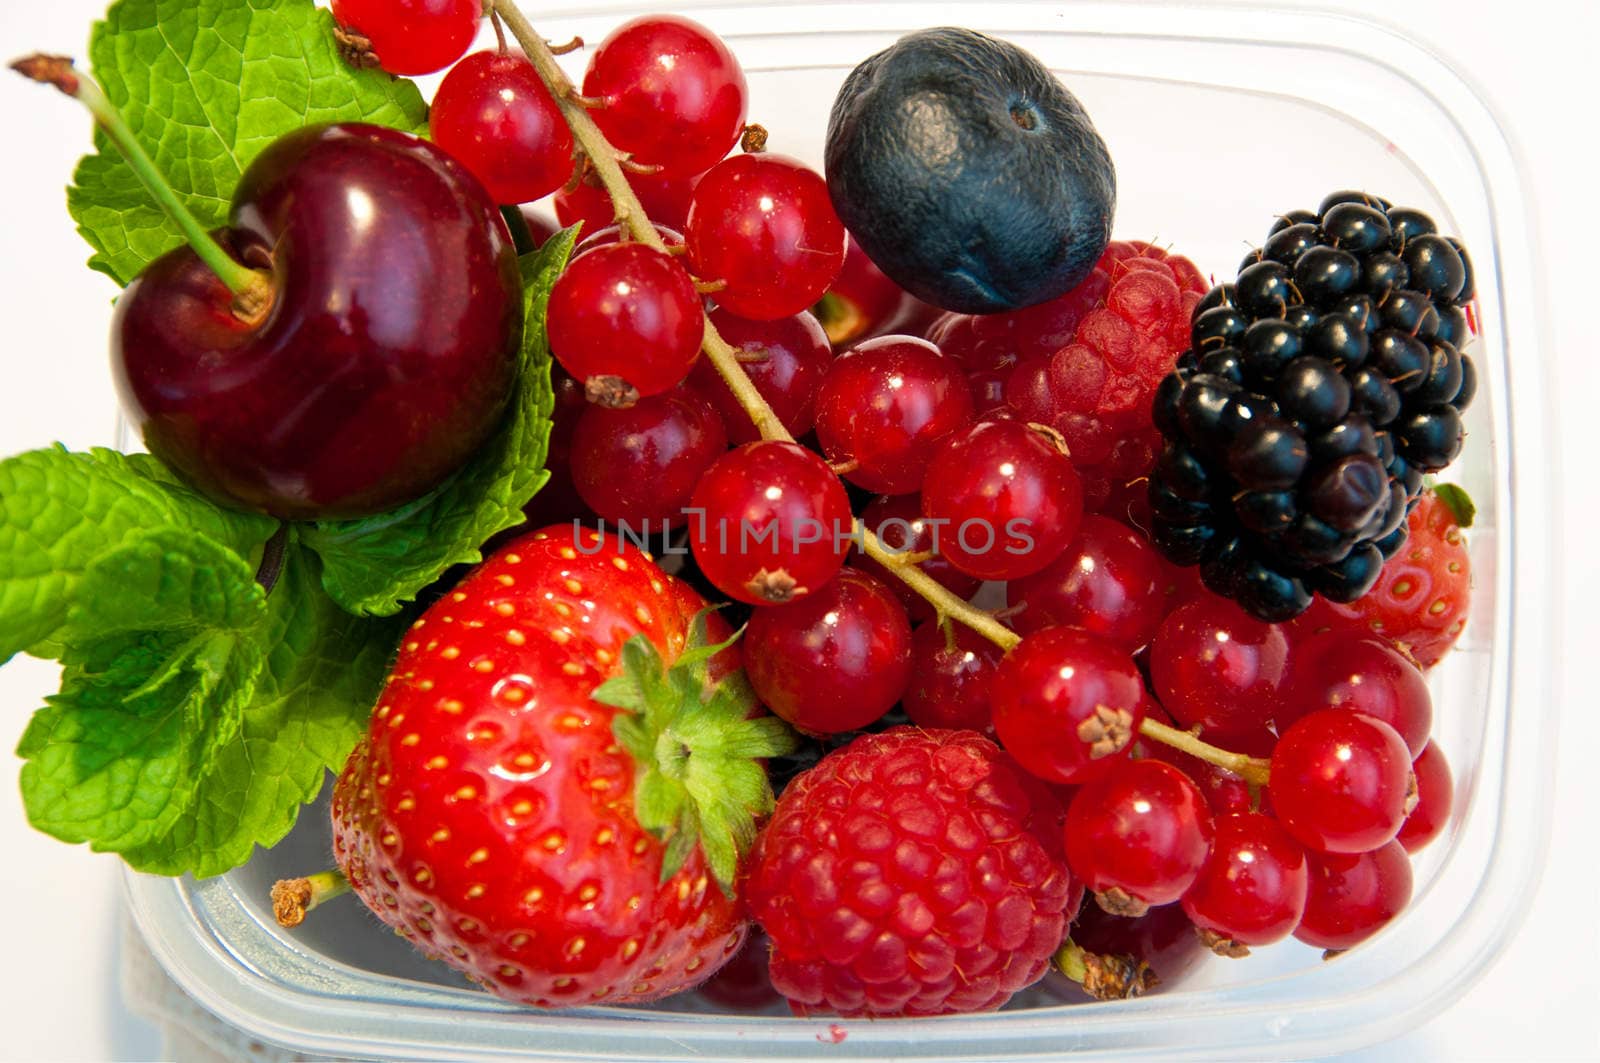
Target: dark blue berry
1287,244
1219,569
1294,217
1164,407
1356,227
1337,338
1313,392
1221,326
1353,435
1269,595
1409,312
1266,289
1383,272
1313,542
1183,473
1268,455
1348,580
1346,493
1324,275
1452,327
1360,309
968,173
1300,317
1372,396
1175,509
1468,290
1347,195
1390,544
1266,512
1225,363
1200,409
1431,438
1469,384
1268,346
1442,381
1183,544
1407,223
1401,358
1219,295
1251,257
1436,267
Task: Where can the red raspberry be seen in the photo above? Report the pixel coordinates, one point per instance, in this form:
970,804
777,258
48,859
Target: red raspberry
912,872
1096,389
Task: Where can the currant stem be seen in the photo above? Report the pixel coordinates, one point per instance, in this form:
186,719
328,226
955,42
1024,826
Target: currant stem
292,898
944,603
1254,770
252,289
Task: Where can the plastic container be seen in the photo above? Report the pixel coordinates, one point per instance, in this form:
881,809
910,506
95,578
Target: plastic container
1217,117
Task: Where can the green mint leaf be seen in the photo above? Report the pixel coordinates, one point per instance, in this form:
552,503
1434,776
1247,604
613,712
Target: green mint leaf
1458,502
322,672
374,565
205,85
117,756
60,512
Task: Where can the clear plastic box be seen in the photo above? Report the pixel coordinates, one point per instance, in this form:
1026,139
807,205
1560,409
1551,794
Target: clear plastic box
1217,118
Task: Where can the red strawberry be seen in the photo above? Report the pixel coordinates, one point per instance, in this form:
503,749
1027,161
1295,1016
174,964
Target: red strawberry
913,872
516,809
1419,604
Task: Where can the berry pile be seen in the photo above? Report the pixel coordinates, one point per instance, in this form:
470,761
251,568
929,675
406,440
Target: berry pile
1320,387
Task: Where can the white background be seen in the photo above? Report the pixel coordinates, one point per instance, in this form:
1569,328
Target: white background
1535,63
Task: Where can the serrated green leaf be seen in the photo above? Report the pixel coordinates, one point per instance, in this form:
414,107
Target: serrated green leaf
679,845
323,670
205,85
657,802
373,566
60,511
162,579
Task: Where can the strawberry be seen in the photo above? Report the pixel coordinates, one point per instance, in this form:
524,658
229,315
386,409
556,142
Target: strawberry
1419,604
541,801
913,872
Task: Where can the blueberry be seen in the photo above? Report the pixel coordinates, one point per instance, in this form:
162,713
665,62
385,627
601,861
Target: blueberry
968,173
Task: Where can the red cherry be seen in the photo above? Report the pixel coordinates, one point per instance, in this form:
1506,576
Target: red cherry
671,93
952,667
1007,499
494,114
769,522
898,523
412,37
641,464
1435,792
1252,888
1138,836
785,360
763,226
1352,897
623,316
833,660
1339,781
1214,666
1067,705
1108,581
1346,670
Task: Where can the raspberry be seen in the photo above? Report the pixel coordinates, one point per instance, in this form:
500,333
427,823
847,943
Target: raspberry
1096,389
913,872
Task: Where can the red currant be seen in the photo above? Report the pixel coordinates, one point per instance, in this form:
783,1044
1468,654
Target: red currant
785,359
1345,670
1435,791
1108,581
1352,897
988,387
494,114
665,201
1067,705
769,522
951,669
860,301
625,317
763,226
1138,836
1225,792
1252,888
641,464
1007,497
671,93
1214,666
834,660
1340,781
883,408
617,234
898,523
412,37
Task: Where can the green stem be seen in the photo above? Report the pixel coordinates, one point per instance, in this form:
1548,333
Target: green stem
252,288
944,603
1253,770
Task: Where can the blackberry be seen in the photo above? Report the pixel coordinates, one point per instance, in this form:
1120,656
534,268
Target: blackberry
1321,385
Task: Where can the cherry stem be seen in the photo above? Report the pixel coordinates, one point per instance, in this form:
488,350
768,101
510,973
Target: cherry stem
252,289
1254,770
629,213
292,898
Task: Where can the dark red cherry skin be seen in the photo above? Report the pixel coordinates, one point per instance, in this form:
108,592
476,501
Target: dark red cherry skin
494,114
1008,499
665,201
1216,667
898,523
413,37
1252,887
1109,581
1339,781
769,522
671,93
1344,670
1163,938
785,359
1351,897
629,312
884,406
951,669
641,464
386,358
833,660
1142,829
763,226
1435,793
1067,704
